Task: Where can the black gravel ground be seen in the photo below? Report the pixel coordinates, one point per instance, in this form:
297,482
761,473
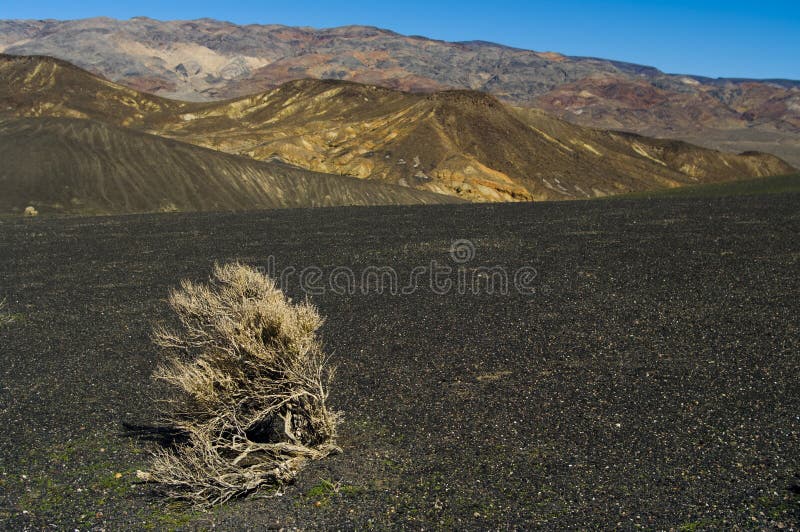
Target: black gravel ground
650,380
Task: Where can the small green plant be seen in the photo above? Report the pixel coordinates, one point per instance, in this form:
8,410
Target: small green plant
252,385
6,318
325,490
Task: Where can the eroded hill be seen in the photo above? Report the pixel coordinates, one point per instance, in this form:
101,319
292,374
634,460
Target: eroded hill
460,143
463,143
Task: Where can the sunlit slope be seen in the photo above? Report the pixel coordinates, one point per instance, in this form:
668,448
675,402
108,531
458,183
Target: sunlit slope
465,144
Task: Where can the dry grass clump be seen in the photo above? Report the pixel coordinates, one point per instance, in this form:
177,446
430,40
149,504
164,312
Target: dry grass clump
253,383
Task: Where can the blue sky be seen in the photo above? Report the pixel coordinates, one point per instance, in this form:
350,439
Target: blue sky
713,38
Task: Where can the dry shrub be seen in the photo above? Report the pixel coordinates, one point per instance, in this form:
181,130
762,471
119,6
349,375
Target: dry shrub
253,383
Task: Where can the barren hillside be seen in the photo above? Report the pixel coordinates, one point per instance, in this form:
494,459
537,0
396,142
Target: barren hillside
67,165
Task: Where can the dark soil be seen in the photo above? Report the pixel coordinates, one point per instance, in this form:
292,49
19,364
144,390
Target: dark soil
651,379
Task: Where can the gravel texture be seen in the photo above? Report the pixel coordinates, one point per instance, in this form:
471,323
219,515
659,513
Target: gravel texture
650,380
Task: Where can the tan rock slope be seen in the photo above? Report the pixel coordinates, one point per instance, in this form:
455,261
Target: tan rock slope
463,143
45,86
460,143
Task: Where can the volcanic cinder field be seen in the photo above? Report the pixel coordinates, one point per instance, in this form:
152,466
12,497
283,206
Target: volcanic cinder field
648,377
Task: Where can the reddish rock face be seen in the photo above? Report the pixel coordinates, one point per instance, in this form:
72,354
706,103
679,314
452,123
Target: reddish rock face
729,105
